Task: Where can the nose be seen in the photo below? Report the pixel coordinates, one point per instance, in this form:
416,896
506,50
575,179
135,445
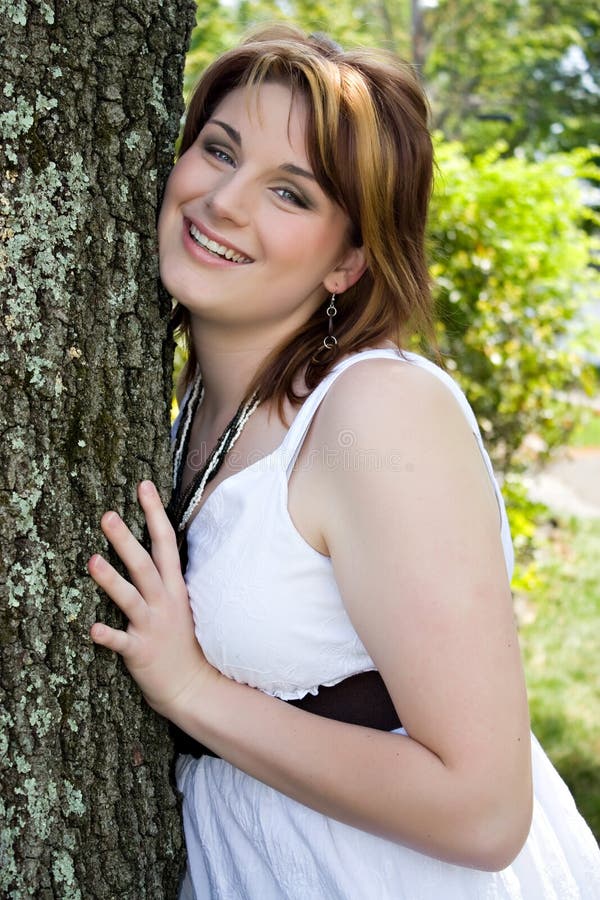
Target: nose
230,198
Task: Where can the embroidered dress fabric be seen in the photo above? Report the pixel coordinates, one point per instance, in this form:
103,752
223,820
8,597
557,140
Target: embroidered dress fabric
268,613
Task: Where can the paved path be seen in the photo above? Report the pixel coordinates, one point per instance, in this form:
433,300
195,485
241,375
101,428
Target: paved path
571,484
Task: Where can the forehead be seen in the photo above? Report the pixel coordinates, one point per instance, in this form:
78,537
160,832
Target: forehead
266,112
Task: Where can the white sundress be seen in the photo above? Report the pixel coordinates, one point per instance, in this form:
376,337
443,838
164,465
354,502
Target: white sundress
268,613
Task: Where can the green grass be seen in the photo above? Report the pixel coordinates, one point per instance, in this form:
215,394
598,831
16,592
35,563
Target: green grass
559,628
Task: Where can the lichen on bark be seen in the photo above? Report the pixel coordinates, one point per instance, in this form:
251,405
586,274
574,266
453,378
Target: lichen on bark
88,116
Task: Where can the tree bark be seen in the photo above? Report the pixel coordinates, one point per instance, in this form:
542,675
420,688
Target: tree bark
417,36
90,111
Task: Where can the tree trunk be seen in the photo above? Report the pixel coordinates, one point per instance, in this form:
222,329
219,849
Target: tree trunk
417,36
90,111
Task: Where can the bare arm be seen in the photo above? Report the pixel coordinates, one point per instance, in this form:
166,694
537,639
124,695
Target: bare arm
418,560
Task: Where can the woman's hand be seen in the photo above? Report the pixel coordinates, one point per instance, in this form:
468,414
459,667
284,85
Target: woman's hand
159,647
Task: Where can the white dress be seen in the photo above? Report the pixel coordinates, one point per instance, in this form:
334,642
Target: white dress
268,613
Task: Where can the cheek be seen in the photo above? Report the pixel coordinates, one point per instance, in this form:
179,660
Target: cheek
303,242
167,204
179,181
311,246
173,197
163,229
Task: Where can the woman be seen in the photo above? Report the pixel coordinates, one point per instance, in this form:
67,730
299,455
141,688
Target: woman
355,527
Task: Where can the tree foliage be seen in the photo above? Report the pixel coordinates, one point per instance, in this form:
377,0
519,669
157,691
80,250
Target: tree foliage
525,72
512,272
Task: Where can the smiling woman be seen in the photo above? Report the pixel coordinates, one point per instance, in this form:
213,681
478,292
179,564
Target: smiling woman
339,654
242,204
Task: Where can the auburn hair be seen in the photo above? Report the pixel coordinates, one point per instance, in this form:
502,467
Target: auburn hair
371,152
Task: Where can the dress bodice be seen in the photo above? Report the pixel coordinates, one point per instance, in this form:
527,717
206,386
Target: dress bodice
266,605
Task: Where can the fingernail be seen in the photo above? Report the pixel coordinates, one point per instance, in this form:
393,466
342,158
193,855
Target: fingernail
98,562
146,487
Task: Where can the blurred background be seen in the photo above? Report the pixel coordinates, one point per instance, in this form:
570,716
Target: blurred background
514,88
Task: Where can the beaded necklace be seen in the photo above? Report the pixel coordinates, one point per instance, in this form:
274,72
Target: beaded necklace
183,503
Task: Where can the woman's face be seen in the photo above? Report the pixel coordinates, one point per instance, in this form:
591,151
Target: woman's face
246,235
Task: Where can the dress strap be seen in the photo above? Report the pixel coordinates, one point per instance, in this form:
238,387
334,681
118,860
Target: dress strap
293,441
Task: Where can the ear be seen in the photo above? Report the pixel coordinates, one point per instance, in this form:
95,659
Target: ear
347,272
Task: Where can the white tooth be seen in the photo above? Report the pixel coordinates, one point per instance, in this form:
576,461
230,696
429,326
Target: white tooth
211,245
199,237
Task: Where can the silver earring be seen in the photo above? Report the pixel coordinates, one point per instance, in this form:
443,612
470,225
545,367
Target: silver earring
330,340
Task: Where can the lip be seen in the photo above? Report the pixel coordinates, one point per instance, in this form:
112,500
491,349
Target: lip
200,251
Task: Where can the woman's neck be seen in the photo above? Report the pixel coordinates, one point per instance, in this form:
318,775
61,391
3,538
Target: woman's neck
228,360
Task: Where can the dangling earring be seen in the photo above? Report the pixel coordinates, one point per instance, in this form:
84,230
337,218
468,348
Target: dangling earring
329,341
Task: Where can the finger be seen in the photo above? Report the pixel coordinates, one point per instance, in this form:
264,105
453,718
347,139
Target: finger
111,638
164,542
138,562
120,591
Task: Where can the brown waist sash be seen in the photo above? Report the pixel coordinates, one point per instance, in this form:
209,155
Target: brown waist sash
361,699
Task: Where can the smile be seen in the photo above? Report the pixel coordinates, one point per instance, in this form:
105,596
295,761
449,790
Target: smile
218,249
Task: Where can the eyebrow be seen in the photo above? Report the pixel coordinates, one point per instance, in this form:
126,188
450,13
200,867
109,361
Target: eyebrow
233,134
237,139
296,170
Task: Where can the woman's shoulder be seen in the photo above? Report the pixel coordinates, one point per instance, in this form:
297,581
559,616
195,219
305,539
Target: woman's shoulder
395,385
385,413
406,434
